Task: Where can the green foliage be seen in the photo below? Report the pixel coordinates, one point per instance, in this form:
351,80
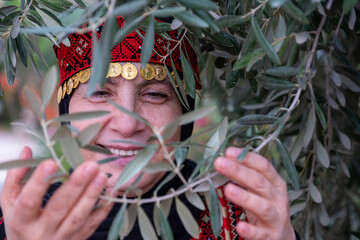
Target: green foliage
282,72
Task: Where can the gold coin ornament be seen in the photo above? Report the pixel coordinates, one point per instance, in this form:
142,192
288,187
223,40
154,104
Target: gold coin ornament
115,70
85,75
148,73
76,80
160,72
64,90
59,96
70,85
129,71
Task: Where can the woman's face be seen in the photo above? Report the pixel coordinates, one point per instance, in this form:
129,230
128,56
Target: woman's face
154,100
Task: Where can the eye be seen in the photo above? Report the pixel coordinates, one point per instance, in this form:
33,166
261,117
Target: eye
99,95
156,97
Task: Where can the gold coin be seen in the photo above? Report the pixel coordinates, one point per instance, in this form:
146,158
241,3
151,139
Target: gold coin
160,72
174,78
148,73
115,70
129,71
85,75
59,96
64,90
70,86
76,80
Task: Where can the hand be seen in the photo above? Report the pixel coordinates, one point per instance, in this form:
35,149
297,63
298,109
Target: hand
68,215
259,190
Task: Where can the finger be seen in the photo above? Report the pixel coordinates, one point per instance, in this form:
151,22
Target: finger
68,194
264,210
244,176
259,164
12,185
84,207
251,232
29,201
96,218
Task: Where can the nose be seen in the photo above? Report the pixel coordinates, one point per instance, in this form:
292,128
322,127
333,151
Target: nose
123,123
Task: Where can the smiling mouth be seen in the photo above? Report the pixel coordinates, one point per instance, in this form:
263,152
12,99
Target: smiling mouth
123,153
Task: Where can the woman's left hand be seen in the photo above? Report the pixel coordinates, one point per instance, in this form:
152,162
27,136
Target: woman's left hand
260,190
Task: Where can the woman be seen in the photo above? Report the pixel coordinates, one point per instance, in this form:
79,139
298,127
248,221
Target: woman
68,212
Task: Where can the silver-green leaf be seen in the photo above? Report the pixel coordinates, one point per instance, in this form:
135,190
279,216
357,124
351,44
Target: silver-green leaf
49,85
146,228
261,39
187,219
117,223
289,166
322,154
136,165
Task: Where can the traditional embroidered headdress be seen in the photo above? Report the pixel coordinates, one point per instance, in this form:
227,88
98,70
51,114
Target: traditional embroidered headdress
75,61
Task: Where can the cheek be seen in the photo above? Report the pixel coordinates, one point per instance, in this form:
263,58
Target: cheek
160,116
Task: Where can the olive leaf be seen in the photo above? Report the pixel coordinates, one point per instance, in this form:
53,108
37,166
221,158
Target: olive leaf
70,148
101,55
282,72
146,228
315,193
148,43
20,163
117,223
49,85
265,45
34,102
79,116
136,165
165,12
243,153
130,113
195,200
215,212
200,4
289,166
180,155
191,20
86,135
188,75
187,219
273,83
165,227
321,154
310,127
257,119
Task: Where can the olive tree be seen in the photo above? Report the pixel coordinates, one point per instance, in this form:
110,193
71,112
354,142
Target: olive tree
282,73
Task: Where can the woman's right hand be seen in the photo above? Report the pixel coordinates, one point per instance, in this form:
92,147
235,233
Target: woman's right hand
69,214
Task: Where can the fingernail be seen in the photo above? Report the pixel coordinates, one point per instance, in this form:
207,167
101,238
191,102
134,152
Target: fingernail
48,168
100,180
231,189
222,163
90,170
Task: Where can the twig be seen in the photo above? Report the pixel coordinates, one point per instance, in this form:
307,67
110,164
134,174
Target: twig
50,145
168,157
25,11
253,11
164,197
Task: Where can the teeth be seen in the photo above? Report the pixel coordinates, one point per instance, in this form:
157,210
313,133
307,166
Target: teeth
123,152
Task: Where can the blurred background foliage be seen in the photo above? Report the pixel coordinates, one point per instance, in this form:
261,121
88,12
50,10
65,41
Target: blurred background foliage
284,72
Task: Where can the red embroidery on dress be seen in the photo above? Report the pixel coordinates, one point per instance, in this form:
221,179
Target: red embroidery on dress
232,216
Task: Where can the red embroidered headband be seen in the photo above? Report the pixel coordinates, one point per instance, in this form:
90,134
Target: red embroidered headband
75,60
